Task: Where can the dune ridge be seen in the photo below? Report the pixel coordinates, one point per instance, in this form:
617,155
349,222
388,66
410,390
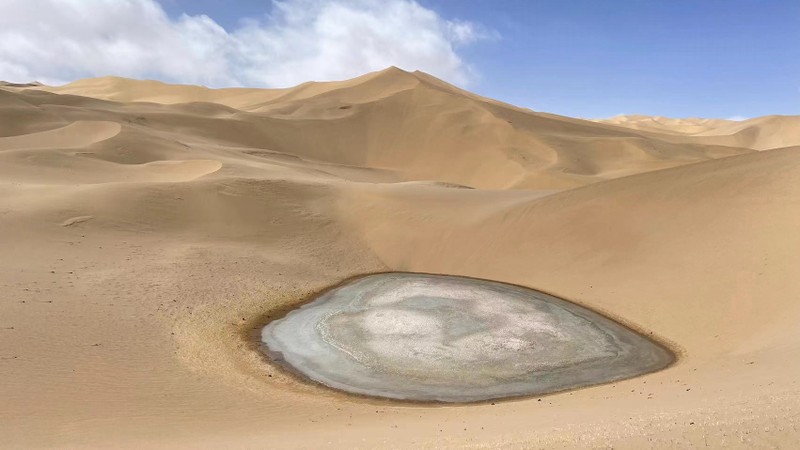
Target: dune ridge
411,123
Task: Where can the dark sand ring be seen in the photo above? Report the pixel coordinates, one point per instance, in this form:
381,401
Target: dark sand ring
452,339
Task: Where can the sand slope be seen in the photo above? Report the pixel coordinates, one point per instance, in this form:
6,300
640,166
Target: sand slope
149,230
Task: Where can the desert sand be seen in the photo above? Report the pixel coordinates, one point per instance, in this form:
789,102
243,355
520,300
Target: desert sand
149,231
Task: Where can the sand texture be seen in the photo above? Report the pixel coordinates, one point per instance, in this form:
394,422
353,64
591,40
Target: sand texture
150,231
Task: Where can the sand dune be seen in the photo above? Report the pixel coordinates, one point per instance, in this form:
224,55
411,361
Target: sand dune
407,122
760,133
687,126
150,230
603,229
62,156
75,135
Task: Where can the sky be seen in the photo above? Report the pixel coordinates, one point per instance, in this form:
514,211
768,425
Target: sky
582,58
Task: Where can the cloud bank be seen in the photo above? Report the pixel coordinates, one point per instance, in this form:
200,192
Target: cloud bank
56,41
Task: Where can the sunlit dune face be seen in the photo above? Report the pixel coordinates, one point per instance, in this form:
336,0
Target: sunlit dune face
453,339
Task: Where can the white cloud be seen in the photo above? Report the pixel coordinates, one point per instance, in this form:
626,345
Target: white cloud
737,118
55,41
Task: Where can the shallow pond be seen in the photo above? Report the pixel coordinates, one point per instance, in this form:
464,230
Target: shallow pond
453,339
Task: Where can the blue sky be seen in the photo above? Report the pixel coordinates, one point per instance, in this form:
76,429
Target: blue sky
584,58
595,58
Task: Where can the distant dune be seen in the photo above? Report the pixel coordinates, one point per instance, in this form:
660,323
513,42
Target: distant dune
760,133
410,123
149,230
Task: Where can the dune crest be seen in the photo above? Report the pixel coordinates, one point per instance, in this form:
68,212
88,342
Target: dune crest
411,123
